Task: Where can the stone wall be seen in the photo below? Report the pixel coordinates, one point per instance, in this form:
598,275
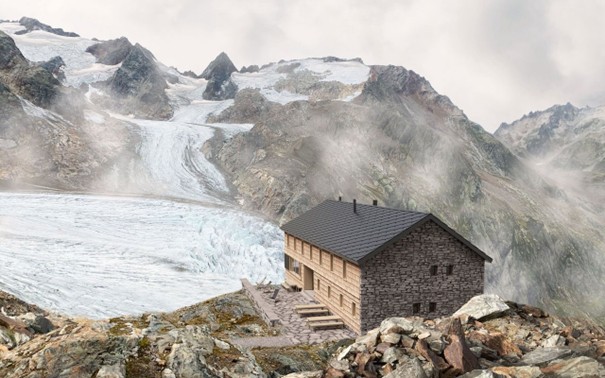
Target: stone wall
264,309
397,278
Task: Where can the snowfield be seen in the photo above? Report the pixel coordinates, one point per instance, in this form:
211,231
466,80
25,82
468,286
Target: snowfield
106,256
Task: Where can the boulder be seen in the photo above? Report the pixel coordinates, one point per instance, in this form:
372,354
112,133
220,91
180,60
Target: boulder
482,307
410,369
478,374
579,367
517,371
305,374
457,353
396,325
553,341
496,341
112,371
541,356
424,350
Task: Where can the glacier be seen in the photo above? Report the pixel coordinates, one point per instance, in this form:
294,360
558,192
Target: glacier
100,256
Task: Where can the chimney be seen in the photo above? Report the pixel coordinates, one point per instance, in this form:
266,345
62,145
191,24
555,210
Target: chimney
375,202
355,206
339,198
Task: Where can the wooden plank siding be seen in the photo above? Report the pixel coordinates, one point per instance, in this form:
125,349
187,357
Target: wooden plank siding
333,277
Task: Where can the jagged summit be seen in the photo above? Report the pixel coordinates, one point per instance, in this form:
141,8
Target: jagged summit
219,69
111,52
32,24
218,73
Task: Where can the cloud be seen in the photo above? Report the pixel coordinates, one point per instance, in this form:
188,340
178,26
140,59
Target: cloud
496,59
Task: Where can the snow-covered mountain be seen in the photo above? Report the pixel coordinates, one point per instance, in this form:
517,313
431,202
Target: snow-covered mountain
275,140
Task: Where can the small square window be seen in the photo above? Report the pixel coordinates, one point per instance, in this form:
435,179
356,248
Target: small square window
353,308
341,300
329,291
432,306
433,270
415,308
318,285
449,270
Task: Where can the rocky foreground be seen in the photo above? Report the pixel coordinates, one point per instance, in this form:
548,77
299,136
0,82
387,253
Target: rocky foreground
485,338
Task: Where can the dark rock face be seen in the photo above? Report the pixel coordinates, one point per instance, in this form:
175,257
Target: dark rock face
111,52
190,74
218,74
10,56
32,82
140,86
250,69
54,66
31,24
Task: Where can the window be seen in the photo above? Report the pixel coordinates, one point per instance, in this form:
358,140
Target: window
353,308
331,262
415,308
329,291
432,306
318,285
433,270
287,262
340,300
449,270
344,269
295,266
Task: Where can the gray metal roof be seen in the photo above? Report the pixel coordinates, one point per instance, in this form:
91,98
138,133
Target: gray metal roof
334,227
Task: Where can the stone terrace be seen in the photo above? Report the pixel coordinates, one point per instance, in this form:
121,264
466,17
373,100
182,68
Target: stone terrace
294,327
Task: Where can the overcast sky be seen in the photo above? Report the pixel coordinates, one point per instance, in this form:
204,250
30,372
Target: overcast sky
497,60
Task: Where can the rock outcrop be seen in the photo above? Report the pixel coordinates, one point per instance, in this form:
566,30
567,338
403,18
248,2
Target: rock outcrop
32,24
111,52
218,74
138,87
30,81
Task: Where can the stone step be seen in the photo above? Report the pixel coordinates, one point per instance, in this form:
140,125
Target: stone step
313,311
319,319
326,325
308,306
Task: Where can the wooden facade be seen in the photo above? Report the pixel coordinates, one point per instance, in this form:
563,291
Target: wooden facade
335,282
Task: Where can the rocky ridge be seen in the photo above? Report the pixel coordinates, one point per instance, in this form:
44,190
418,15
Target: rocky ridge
32,24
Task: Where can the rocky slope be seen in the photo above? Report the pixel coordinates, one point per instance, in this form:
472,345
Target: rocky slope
191,342
485,338
45,138
566,144
397,140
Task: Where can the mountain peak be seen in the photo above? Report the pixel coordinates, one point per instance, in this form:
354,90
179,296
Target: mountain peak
220,68
32,24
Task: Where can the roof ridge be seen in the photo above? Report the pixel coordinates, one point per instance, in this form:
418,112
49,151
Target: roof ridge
381,207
